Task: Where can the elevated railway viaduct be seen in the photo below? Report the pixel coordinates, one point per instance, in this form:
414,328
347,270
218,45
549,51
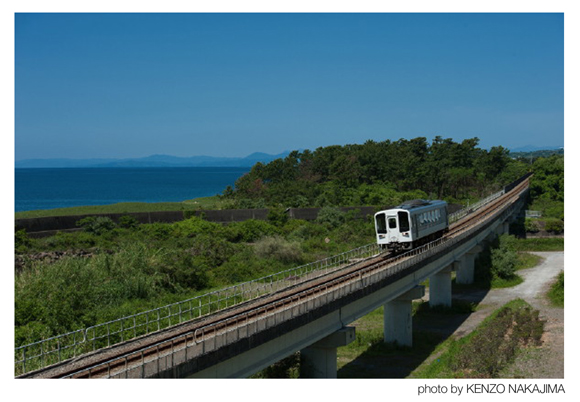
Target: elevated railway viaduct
311,315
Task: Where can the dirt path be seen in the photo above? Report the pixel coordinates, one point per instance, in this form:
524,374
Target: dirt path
548,360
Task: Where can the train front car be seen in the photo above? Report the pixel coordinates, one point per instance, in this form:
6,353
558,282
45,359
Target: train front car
411,224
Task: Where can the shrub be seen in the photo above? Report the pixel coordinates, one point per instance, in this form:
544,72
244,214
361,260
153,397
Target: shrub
504,259
249,231
331,217
21,241
555,226
532,225
128,222
96,224
186,272
193,226
62,240
157,231
308,230
242,266
278,248
31,332
212,249
277,217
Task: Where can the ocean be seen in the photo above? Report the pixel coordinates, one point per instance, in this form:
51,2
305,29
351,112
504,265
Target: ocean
70,187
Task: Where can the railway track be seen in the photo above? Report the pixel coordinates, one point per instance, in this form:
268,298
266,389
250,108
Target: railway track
119,358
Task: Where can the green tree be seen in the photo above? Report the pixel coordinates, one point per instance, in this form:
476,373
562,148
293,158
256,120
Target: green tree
504,258
548,179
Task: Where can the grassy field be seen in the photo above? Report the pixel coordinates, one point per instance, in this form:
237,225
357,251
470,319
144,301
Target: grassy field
127,207
540,244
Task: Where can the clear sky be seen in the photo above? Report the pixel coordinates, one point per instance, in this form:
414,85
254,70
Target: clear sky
132,85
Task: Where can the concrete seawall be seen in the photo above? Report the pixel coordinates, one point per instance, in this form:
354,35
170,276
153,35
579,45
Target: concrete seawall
46,226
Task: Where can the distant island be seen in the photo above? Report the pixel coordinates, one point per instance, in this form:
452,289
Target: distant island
212,161
152,161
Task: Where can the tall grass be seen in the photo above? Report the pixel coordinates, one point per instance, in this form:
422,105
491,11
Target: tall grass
75,292
131,269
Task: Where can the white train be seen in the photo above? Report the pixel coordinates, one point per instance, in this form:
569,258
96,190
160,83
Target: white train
411,224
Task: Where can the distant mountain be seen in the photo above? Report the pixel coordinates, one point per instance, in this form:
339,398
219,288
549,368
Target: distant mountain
531,155
60,163
152,161
532,148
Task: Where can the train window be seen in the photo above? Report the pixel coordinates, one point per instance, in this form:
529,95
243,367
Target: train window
381,224
403,221
392,223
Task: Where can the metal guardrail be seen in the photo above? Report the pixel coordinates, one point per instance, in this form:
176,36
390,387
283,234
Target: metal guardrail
53,350
454,217
209,338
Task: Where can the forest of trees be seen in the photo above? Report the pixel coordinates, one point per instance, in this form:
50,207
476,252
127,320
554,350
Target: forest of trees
378,173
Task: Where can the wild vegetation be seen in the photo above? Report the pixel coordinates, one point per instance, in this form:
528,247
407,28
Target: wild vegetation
547,195
127,268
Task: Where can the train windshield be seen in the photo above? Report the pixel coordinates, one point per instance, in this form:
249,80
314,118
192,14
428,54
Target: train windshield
403,221
381,224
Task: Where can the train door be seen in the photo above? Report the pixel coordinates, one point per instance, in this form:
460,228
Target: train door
381,229
399,228
393,229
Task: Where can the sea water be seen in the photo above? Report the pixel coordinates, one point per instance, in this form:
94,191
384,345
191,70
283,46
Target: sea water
70,187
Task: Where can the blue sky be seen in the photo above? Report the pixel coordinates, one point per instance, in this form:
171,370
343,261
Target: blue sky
132,85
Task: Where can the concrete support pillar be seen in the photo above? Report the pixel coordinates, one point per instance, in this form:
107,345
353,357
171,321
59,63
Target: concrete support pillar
319,359
398,319
466,269
440,288
502,228
466,266
506,227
